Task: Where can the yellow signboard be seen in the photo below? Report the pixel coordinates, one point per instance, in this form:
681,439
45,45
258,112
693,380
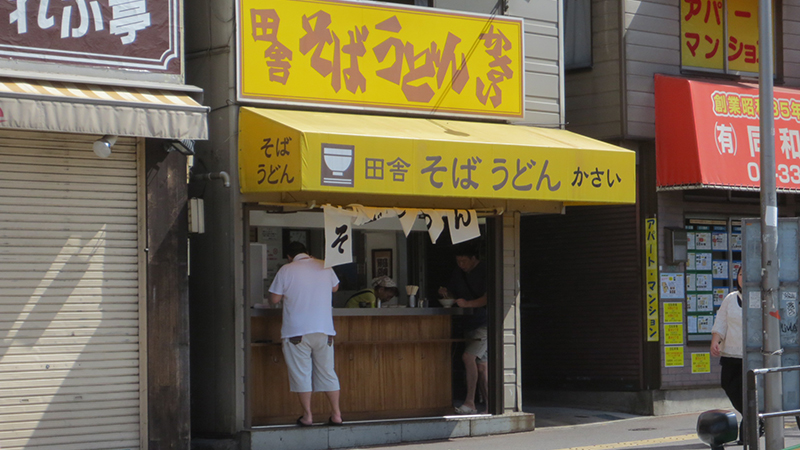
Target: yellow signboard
703,35
673,356
651,268
704,43
292,151
673,333
673,312
388,57
701,363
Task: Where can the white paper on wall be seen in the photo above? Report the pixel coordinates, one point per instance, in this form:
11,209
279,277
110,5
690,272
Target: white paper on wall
338,236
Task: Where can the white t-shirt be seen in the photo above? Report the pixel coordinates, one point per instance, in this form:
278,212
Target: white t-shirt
728,324
307,290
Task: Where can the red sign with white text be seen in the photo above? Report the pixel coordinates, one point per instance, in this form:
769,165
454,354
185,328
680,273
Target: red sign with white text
707,134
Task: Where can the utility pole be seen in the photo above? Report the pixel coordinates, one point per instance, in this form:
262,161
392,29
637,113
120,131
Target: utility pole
771,343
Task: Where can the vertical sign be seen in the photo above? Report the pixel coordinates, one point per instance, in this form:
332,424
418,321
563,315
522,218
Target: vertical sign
651,268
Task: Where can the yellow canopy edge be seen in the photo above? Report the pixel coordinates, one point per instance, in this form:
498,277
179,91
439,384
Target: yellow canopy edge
302,156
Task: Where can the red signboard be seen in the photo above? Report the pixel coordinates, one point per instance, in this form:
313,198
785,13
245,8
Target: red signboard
707,134
127,34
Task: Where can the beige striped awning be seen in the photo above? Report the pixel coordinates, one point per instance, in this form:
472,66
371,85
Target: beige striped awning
99,109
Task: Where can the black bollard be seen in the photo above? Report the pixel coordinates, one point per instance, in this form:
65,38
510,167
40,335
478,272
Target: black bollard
716,427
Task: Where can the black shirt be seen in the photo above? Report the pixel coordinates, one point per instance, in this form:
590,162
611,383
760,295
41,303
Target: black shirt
470,286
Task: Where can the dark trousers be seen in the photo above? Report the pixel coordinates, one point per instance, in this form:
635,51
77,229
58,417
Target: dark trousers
731,381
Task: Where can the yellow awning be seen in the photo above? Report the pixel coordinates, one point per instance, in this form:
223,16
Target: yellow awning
301,156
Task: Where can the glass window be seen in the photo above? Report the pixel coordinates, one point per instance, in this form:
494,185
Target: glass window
722,37
577,34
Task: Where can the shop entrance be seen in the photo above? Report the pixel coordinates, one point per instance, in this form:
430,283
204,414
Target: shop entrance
395,361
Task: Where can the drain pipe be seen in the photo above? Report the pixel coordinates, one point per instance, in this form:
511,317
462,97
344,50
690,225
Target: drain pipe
221,175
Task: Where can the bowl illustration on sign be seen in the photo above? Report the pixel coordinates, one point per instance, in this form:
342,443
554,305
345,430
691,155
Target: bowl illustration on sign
338,160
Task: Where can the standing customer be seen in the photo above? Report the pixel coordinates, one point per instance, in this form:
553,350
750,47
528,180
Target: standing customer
306,288
726,342
468,286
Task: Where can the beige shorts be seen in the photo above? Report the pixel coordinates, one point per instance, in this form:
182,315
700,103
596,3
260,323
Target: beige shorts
477,344
310,363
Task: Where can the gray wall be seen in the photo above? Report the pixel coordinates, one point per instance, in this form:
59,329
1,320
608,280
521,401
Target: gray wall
594,97
544,102
215,282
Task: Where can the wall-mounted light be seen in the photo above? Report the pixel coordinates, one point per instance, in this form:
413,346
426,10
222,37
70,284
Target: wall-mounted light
102,146
183,146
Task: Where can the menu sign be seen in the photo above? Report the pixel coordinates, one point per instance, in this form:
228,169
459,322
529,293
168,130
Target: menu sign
126,34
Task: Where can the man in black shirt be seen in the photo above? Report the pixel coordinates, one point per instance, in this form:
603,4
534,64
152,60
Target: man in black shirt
468,286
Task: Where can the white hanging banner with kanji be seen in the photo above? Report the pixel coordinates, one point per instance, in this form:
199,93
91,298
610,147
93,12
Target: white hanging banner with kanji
463,224
338,236
366,214
407,218
434,222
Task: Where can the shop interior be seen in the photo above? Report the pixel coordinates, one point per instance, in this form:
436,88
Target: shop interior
395,361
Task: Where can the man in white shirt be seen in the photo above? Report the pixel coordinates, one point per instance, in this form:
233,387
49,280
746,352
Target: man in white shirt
306,288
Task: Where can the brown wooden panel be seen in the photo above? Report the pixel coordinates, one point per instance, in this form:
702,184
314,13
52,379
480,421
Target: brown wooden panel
168,414
388,367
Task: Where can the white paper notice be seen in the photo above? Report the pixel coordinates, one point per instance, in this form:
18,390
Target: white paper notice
338,239
754,300
705,324
463,224
691,324
771,217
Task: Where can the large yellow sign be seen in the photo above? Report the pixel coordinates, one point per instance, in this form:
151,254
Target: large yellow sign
372,56
704,42
293,151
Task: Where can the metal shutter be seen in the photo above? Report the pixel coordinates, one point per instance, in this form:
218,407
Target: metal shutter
582,306
69,293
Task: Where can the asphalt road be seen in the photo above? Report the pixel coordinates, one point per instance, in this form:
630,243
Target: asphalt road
568,429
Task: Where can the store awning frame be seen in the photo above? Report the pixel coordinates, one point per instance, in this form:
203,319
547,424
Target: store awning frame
99,109
708,135
434,163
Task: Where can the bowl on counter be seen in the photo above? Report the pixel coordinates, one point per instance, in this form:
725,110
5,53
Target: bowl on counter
447,302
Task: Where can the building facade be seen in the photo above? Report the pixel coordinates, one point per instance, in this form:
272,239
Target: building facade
94,283
295,81
677,83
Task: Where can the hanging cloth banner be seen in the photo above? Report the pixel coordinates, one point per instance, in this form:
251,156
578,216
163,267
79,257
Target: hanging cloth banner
434,222
338,236
366,214
407,218
463,224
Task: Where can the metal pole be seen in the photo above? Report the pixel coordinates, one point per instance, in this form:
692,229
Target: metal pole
769,233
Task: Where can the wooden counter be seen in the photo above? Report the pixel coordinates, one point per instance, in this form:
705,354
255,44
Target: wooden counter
391,363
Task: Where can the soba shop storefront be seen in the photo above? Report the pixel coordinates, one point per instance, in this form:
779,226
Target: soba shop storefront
375,194
389,196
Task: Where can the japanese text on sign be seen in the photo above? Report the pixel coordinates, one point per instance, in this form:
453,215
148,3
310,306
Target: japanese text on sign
704,43
381,57
130,34
651,267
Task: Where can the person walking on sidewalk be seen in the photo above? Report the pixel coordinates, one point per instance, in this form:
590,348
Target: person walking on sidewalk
305,286
726,343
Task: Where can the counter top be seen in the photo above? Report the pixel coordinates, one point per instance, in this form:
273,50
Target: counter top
453,311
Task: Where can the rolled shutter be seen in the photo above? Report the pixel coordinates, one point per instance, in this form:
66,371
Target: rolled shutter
582,305
69,293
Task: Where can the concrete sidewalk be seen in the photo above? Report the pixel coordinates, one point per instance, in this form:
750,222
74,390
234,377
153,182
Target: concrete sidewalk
580,429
